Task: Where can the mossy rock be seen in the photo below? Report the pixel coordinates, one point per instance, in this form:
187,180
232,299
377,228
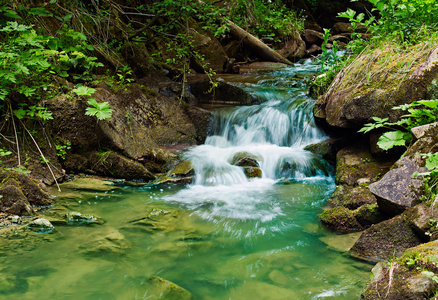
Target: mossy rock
352,197
252,172
340,219
245,159
184,168
385,240
106,243
368,215
20,193
327,149
169,290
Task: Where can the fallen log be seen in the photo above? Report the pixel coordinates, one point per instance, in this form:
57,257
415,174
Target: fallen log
253,42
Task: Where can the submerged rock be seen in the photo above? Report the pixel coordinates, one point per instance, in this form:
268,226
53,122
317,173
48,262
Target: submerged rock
111,242
169,290
182,173
41,225
340,219
76,218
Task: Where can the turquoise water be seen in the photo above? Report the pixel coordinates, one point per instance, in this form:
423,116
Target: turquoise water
223,237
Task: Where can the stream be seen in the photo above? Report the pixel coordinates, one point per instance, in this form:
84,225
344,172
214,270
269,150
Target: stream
222,237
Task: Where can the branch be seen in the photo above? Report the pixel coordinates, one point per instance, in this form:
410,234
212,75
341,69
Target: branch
146,27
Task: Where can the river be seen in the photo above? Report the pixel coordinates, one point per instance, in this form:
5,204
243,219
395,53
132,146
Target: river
222,237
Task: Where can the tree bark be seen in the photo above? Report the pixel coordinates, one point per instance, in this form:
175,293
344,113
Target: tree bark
264,51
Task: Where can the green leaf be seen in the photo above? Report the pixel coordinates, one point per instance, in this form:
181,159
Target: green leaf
102,110
432,162
392,138
429,103
20,113
83,91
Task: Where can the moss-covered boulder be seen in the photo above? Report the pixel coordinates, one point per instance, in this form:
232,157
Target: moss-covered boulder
19,194
376,81
252,172
182,173
385,240
340,219
411,276
328,149
352,197
245,159
355,165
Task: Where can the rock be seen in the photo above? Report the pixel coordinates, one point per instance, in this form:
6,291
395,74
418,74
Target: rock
20,193
169,290
252,172
341,242
340,219
182,173
355,163
111,243
351,101
118,166
342,27
422,219
279,278
398,189
89,184
222,93
41,225
245,159
76,218
351,197
204,43
410,275
8,282
314,50
313,37
261,67
368,214
385,240
294,48
422,131
327,149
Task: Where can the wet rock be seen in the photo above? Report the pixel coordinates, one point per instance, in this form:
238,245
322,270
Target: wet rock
111,242
260,67
351,197
368,214
41,225
222,93
409,277
169,290
340,219
89,184
327,149
341,242
398,189
385,240
76,218
245,159
182,173
252,172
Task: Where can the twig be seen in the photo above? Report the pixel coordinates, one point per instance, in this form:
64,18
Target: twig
16,136
42,155
391,276
144,28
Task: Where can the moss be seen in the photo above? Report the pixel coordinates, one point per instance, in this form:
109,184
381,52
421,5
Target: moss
339,219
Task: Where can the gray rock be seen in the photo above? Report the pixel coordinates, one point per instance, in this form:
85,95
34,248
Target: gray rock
385,240
398,189
421,131
41,225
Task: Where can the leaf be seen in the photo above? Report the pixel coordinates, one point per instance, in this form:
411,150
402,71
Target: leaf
102,110
432,162
429,103
392,138
20,113
83,91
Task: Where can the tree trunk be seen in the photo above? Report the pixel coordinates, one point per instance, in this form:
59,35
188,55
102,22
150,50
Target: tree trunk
264,51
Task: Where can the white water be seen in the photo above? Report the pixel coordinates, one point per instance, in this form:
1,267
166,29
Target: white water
275,132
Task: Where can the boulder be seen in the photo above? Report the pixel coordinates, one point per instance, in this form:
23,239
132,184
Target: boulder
340,219
41,225
182,173
294,48
424,130
222,93
328,149
351,197
385,240
409,277
20,193
245,159
398,189
313,37
352,99
355,165
252,172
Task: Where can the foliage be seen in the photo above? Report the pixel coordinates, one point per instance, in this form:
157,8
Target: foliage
265,18
61,149
101,111
419,113
356,43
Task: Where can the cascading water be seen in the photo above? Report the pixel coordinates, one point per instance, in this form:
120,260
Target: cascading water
222,237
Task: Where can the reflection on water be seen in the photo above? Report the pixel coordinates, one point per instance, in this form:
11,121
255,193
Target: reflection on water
223,237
